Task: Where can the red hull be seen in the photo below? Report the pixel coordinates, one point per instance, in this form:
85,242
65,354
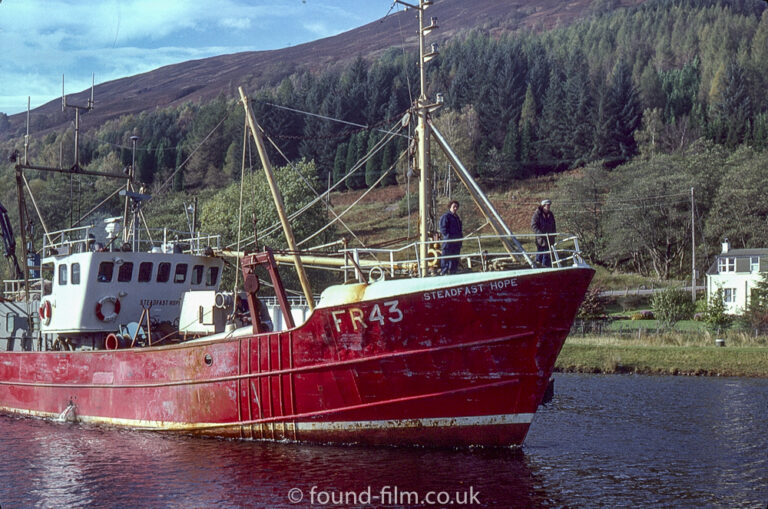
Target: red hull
458,360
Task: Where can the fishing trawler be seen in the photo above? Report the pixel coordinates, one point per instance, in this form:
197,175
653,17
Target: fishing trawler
142,337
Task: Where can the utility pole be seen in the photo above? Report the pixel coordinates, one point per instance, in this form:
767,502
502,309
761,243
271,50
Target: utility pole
693,249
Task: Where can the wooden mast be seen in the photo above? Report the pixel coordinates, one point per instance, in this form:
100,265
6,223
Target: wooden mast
422,137
278,197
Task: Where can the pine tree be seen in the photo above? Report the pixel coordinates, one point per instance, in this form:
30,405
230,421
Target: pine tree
373,167
340,162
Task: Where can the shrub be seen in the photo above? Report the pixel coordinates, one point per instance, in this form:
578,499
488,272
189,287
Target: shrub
672,305
593,306
715,315
642,315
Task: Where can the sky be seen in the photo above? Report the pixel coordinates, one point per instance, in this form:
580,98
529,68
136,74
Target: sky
41,40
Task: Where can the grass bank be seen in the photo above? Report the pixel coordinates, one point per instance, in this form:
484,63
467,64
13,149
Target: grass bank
615,355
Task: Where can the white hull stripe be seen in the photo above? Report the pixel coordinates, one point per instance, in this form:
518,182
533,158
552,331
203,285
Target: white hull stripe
434,422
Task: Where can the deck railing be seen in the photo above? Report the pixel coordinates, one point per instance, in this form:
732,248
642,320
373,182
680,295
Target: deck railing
478,254
166,240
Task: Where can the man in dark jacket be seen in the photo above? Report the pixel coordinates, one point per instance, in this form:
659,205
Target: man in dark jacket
450,228
543,222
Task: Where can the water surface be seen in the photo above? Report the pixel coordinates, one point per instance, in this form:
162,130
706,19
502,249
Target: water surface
604,441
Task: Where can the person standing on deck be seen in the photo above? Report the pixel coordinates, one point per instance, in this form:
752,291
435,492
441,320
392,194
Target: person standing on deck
450,228
543,223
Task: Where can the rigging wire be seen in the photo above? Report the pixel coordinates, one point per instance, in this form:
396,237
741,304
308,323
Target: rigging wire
374,150
309,185
184,163
356,201
240,210
331,119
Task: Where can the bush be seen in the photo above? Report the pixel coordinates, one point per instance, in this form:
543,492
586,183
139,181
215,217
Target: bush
593,307
715,315
672,305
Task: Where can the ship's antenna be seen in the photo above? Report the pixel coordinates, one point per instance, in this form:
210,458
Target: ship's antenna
423,108
26,136
77,108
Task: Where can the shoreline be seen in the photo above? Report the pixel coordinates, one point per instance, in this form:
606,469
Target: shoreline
589,355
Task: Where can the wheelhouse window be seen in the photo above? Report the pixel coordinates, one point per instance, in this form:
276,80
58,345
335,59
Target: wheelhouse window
212,277
181,273
729,295
105,272
197,274
47,272
145,272
63,274
125,272
726,265
163,272
75,274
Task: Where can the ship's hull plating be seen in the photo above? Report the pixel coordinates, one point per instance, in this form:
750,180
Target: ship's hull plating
456,361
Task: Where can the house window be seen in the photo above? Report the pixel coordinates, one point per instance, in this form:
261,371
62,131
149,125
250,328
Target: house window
726,265
754,264
729,295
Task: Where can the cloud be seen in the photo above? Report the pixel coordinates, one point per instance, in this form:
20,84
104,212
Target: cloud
43,39
236,23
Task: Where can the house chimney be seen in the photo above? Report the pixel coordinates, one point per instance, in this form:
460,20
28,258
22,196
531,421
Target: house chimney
726,245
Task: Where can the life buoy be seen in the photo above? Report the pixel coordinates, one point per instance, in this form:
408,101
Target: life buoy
433,257
115,308
45,312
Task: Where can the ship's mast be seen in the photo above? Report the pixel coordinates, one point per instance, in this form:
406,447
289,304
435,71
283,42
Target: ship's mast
423,108
278,198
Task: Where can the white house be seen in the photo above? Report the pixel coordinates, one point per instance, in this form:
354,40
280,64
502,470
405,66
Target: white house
737,272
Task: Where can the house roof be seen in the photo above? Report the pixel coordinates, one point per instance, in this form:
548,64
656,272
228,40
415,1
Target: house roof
737,253
744,252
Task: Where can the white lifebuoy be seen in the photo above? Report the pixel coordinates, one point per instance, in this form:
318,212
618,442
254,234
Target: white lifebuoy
108,317
376,274
45,312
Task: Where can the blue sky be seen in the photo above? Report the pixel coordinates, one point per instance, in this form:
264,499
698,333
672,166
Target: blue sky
42,39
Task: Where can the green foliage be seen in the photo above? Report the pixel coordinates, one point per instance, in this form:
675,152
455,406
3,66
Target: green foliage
672,305
593,306
755,316
715,316
739,207
220,213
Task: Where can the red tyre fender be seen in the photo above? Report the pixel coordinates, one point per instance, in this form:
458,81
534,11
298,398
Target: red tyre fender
115,305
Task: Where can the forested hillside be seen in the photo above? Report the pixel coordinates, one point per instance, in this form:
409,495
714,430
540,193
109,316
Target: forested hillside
645,102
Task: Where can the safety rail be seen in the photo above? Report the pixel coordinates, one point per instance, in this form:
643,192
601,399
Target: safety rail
82,239
478,253
14,289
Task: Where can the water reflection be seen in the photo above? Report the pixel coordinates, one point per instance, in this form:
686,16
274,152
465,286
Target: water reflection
605,441
73,465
